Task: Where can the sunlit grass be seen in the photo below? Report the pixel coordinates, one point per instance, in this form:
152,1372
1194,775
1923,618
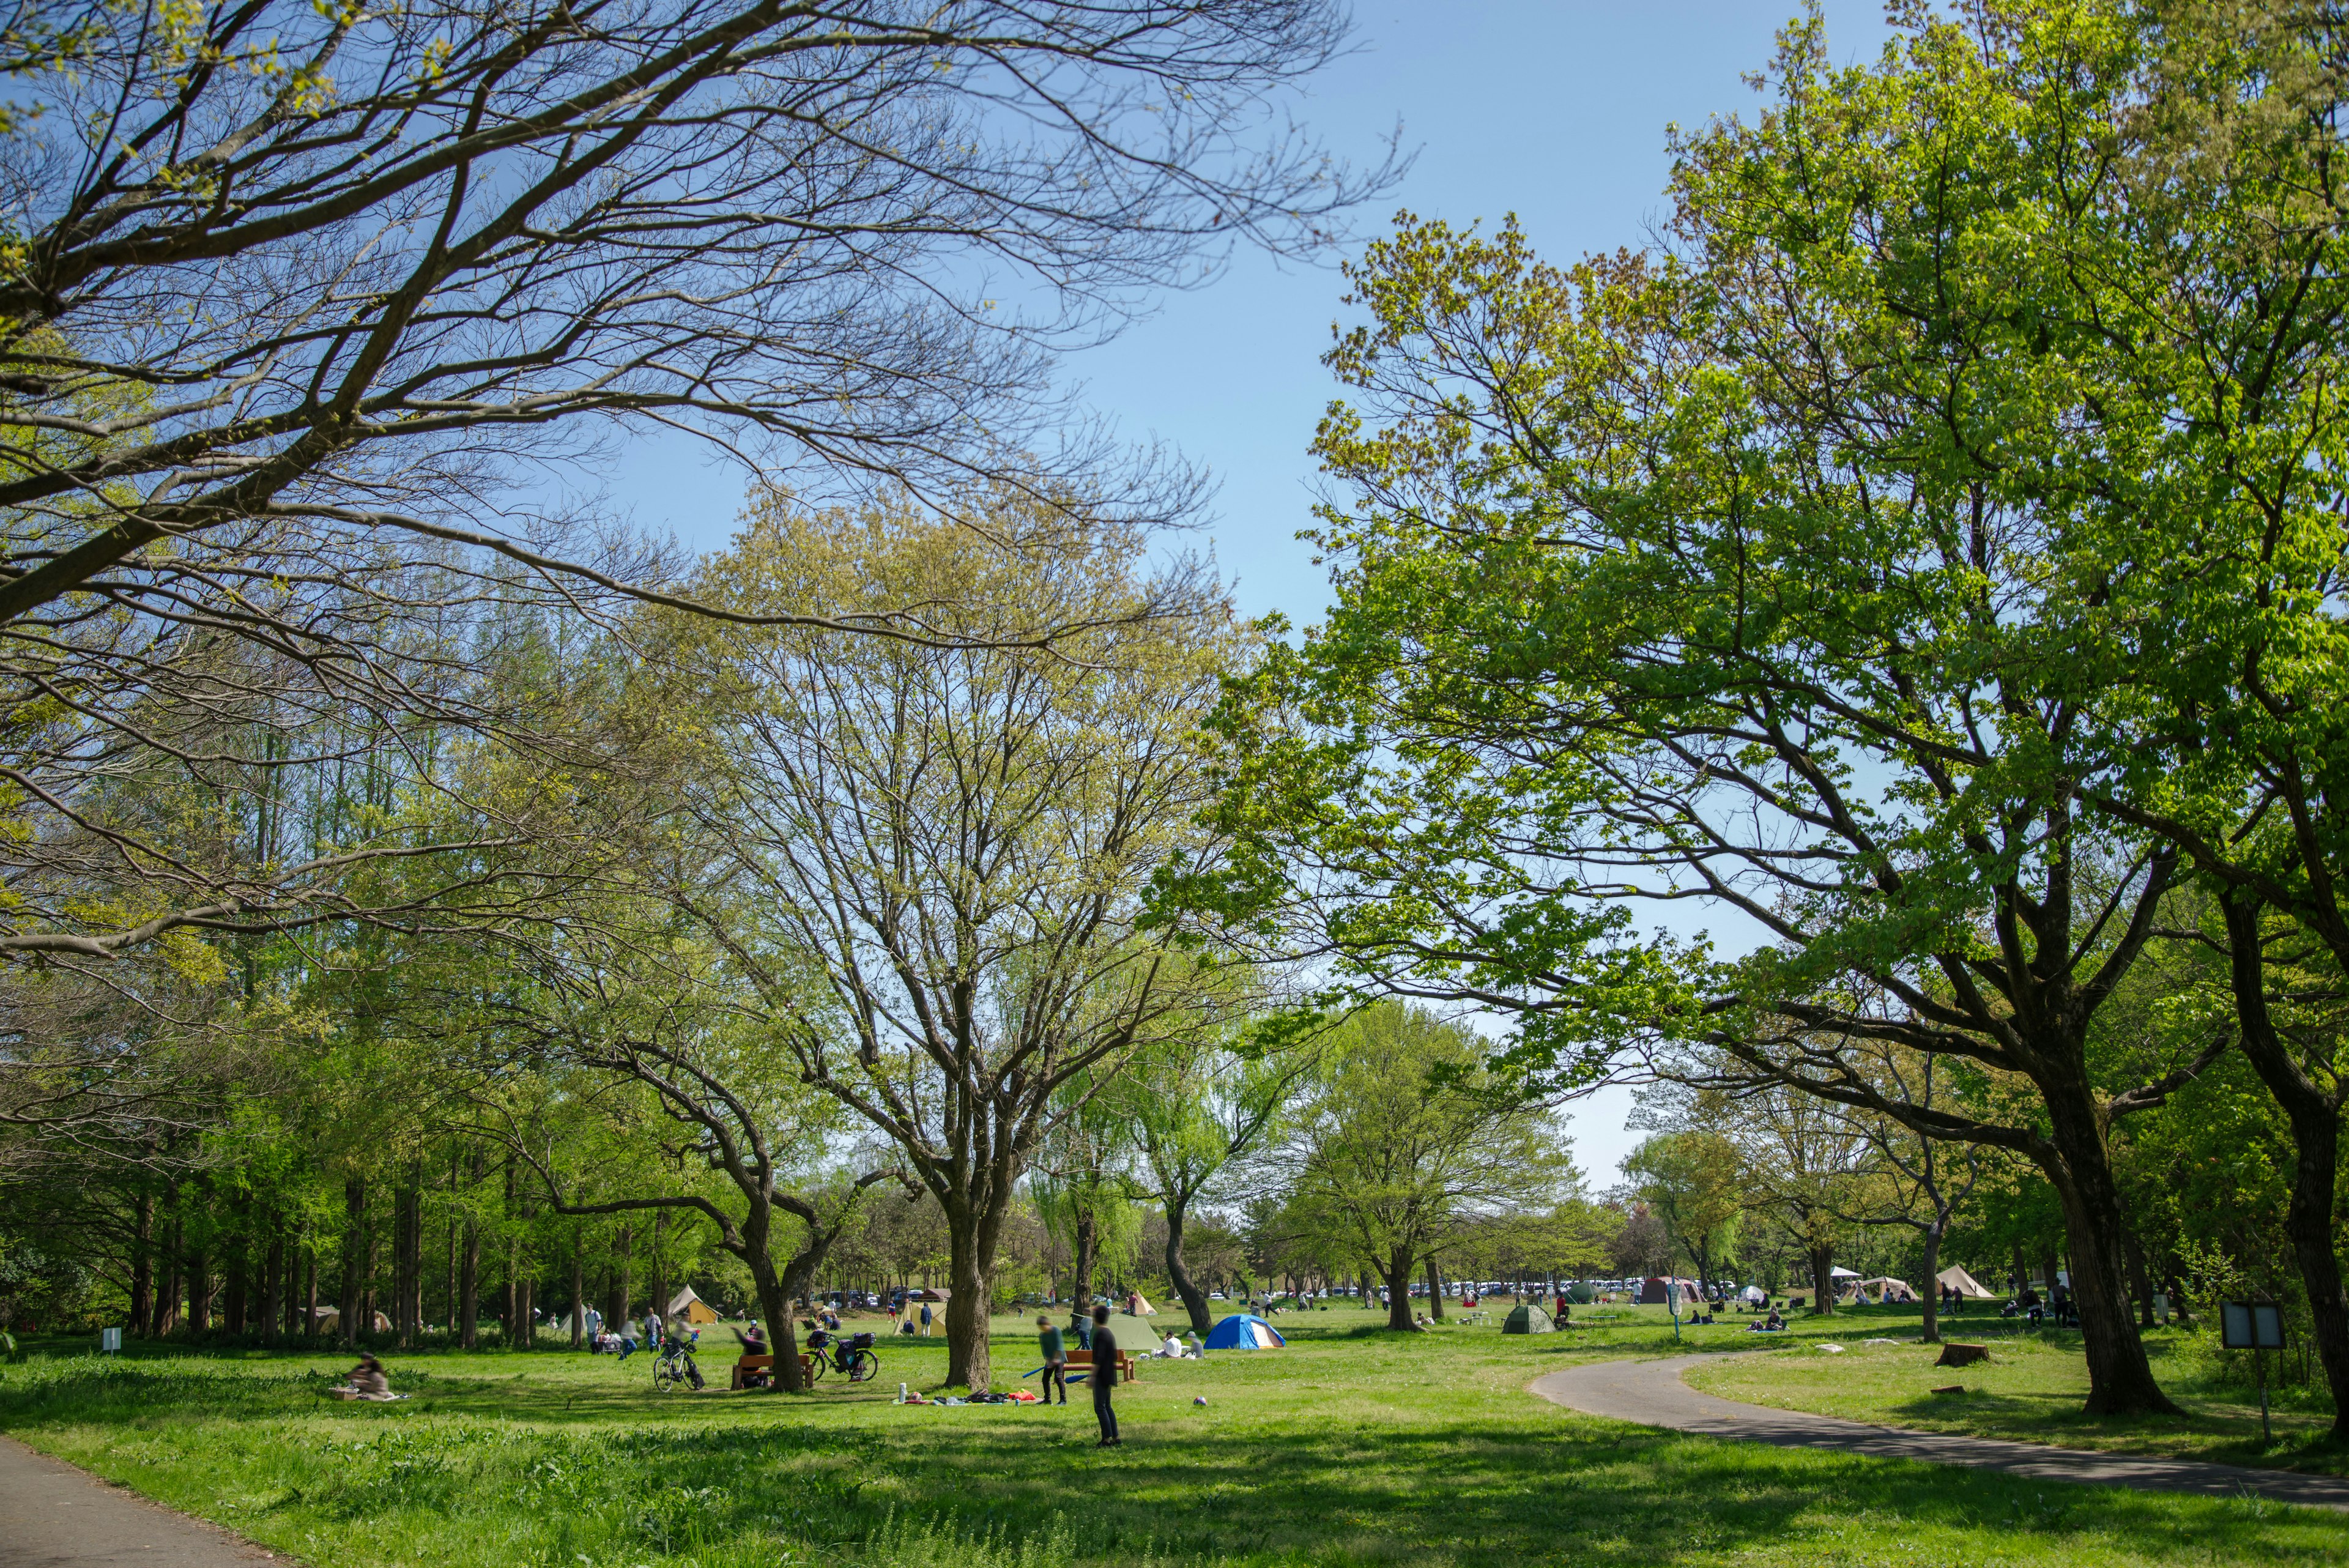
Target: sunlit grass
1349,1447
2032,1391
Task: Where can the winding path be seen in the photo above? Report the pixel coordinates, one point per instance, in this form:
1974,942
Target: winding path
55,1516
1652,1394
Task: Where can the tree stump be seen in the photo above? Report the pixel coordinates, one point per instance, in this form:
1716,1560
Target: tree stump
1963,1355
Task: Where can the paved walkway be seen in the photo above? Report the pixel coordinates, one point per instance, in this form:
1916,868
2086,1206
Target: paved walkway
1652,1393
55,1516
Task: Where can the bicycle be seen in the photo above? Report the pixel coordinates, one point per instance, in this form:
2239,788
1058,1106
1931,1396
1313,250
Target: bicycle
854,1356
674,1365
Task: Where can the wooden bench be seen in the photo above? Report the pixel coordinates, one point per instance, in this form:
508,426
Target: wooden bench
1085,1359
766,1365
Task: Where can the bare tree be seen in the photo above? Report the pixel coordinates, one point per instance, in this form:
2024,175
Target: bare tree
937,855
308,311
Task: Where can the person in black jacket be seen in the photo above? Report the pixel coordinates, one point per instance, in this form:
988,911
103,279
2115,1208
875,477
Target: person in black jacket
1105,1376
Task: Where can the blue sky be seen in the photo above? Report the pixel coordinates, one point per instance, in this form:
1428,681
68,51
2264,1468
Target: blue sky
1555,110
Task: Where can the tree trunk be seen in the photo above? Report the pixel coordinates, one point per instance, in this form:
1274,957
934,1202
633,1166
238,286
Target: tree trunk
661,1269
310,1289
2120,1380
1435,1289
2315,1119
2140,1282
1396,1272
167,1297
142,1262
469,1286
273,1302
1081,1284
578,1282
1931,1285
199,1270
970,1253
1823,1280
412,1303
618,1299
354,1224
1195,1300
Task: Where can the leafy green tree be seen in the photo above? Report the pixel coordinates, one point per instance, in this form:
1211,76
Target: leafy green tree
1765,577
1403,1145
1694,1181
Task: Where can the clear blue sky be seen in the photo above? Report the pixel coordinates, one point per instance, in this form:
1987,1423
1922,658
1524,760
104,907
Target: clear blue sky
1554,110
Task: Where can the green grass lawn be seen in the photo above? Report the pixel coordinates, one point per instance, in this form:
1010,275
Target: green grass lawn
1349,1447
2031,1392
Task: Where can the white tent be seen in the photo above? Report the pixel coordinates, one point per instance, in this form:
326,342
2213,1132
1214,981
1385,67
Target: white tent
691,1308
1754,1294
1141,1305
1889,1290
1964,1284
1843,1273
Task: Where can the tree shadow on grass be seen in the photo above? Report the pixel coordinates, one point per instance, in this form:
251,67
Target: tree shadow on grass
579,1466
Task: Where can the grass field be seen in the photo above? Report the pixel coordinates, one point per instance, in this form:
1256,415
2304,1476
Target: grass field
1349,1447
2031,1391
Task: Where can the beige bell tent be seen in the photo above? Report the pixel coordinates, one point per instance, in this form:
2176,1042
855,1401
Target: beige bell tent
1139,1305
1964,1284
687,1307
1889,1290
330,1321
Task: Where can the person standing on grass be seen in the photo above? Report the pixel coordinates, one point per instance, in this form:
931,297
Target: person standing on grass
926,1320
1056,1358
1105,1376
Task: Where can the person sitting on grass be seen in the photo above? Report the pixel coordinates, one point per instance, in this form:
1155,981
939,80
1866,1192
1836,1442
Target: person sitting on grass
365,1381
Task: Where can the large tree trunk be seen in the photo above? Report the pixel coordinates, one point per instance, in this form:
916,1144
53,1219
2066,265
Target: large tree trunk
970,1254
2315,1119
1396,1272
1823,1280
1195,1300
1435,1289
2079,1165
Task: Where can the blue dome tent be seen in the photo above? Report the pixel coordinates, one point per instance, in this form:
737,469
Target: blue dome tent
1244,1331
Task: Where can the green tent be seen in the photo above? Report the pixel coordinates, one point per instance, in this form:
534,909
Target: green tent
1527,1319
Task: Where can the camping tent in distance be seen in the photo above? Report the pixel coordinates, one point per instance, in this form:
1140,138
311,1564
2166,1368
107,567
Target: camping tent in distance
684,1306
1964,1284
1244,1331
1527,1319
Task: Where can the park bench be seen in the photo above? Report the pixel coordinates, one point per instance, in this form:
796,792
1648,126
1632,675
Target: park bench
1085,1359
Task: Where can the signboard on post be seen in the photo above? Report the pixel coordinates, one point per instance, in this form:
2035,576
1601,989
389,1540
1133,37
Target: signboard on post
2254,1327
2251,1325
110,1339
